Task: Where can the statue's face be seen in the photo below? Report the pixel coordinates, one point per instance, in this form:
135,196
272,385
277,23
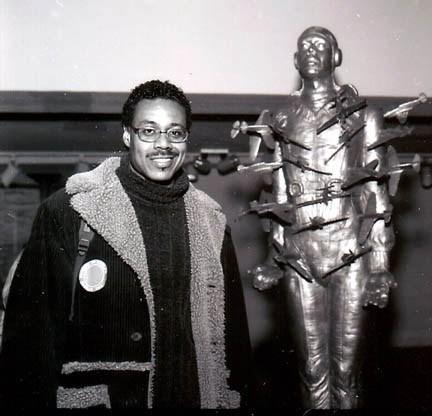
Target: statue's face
161,159
314,56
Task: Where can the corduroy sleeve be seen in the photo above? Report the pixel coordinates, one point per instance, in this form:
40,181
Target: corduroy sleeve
237,341
28,358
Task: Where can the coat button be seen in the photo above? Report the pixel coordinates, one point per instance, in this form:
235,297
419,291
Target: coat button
136,336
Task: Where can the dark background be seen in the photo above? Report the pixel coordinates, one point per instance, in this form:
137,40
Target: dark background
48,136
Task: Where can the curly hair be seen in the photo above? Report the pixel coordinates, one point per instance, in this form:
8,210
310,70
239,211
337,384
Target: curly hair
151,90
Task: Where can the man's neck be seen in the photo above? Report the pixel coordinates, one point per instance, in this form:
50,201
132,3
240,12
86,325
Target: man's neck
318,91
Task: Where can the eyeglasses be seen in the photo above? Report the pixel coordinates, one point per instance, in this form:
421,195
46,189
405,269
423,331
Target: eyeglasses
176,134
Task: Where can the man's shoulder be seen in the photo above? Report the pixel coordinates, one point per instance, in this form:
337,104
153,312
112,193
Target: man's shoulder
57,207
93,179
57,200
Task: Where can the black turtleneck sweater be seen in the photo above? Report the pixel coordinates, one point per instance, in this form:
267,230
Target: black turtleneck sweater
161,215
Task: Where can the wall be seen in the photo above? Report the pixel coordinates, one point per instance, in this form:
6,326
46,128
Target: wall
49,134
209,46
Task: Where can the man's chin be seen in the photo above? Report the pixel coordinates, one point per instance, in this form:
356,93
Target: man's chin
161,175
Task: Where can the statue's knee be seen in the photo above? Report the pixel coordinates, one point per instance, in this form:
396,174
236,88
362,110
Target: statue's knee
344,376
315,373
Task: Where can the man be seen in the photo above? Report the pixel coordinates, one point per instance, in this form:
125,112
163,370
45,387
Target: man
333,255
150,313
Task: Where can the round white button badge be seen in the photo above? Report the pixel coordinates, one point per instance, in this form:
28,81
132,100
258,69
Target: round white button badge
93,275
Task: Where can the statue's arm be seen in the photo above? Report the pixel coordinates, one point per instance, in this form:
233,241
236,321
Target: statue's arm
381,237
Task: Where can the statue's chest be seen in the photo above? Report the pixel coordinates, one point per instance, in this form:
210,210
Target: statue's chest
301,125
326,150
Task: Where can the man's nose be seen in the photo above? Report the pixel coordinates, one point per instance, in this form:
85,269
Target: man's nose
311,50
163,142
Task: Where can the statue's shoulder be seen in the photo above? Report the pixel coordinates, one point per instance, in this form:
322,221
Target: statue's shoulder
349,91
293,108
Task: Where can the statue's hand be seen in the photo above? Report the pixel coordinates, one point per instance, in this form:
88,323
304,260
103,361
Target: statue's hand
265,276
377,289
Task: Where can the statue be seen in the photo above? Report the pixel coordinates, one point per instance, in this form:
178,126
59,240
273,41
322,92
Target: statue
329,220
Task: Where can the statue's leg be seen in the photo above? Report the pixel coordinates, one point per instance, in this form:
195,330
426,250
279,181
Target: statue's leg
347,335
308,311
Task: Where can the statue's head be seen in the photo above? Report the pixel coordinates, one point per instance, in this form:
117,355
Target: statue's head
317,53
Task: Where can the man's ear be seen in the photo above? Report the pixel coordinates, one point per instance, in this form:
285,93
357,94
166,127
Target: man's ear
337,57
296,60
126,136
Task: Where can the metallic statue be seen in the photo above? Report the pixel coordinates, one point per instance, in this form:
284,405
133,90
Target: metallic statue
329,217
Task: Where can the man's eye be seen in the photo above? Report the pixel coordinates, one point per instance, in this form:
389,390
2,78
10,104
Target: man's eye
320,46
176,133
148,131
305,45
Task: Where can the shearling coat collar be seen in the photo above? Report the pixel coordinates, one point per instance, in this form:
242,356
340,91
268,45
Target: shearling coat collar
101,201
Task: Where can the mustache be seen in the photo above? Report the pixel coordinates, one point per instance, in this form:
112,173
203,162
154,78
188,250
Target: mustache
164,153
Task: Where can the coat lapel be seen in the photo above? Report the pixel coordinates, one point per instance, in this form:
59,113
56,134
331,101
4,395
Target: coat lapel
101,201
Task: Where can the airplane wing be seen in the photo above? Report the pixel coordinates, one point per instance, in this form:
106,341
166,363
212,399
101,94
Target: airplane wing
360,173
388,134
264,118
344,113
368,220
260,207
358,105
254,145
261,167
262,130
313,224
282,254
346,138
266,135
323,200
393,183
416,163
347,260
371,204
317,223
394,176
355,178
392,158
252,207
304,166
295,265
291,259
295,142
280,249
315,170
402,110
283,214
334,221
328,123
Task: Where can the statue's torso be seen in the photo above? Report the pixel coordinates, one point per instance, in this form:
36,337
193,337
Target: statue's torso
300,123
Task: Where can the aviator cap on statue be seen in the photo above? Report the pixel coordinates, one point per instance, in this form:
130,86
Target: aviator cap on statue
325,33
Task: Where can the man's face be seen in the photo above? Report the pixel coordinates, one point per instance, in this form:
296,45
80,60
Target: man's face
160,160
314,56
